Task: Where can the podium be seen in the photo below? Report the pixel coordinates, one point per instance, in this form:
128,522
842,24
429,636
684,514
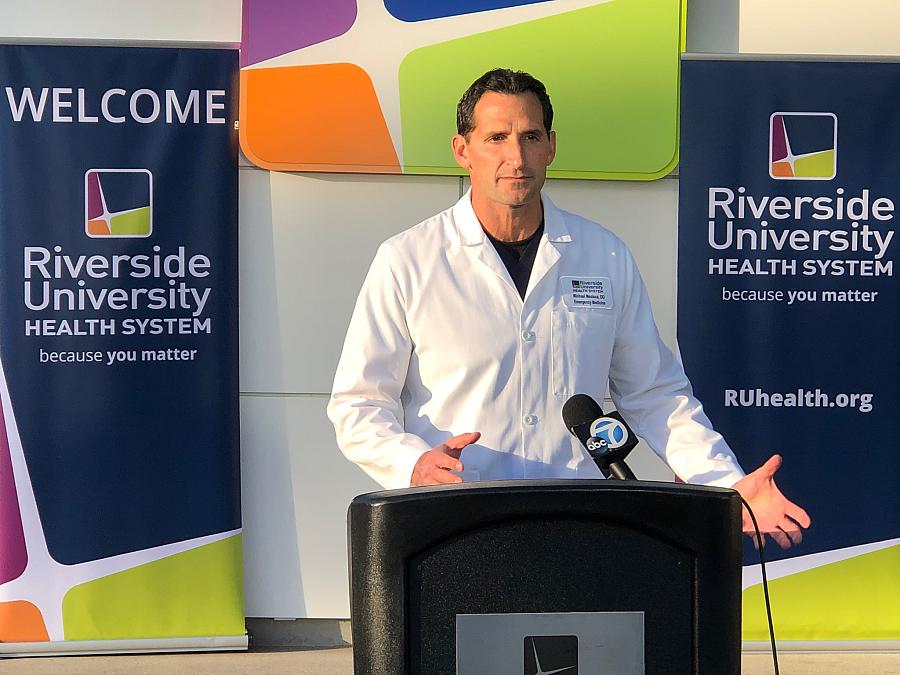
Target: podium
527,577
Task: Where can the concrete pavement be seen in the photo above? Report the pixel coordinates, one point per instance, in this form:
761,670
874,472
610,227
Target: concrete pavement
340,662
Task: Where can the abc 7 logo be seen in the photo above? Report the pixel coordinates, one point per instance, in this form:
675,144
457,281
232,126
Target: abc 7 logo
609,431
595,444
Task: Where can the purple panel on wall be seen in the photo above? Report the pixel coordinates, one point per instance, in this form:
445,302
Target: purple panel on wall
275,27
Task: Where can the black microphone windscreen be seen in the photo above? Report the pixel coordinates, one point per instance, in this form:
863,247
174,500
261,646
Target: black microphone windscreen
580,409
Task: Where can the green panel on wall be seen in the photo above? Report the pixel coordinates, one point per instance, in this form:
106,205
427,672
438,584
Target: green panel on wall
614,87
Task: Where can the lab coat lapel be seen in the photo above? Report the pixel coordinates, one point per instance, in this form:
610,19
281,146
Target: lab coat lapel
488,256
475,242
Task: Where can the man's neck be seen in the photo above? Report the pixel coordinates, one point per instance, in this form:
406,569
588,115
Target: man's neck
509,223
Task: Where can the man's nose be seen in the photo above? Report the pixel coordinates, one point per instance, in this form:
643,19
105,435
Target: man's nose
515,156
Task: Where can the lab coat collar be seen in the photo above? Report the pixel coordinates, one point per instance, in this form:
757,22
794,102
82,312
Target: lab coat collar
471,233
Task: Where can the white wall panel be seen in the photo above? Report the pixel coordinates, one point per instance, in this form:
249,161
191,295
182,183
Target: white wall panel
297,487
713,25
647,465
820,27
306,243
132,20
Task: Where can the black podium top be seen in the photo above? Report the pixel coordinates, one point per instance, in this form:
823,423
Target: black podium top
421,557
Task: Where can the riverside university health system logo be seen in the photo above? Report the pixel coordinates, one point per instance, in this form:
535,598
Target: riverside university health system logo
803,146
118,203
551,654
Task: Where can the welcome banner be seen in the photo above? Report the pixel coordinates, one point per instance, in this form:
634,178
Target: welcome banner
119,474
788,307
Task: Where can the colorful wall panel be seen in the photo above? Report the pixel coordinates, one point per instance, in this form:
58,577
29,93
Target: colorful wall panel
352,86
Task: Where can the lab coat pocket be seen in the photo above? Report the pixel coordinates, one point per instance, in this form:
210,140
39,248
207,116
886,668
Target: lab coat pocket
581,346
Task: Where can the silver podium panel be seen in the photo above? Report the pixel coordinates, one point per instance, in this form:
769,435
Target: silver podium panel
575,643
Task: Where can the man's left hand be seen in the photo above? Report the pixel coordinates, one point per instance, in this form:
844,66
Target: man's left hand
776,515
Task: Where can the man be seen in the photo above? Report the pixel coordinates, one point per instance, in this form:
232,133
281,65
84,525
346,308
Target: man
471,331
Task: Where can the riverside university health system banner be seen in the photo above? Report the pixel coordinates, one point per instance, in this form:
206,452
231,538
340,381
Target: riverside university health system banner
789,319
119,476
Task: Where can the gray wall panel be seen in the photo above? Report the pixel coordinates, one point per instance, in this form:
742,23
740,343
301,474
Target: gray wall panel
306,244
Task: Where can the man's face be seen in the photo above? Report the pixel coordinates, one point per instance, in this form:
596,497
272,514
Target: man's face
508,151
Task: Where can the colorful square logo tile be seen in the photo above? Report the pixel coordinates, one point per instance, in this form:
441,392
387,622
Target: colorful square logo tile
118,203
803,146
321,92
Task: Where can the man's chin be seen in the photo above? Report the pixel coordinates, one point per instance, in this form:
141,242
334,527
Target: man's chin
521,196
524,199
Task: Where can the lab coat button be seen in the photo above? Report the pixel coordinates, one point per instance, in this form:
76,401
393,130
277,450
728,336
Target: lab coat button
530,419
527,335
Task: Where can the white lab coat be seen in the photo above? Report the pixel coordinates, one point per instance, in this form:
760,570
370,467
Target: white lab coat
440,343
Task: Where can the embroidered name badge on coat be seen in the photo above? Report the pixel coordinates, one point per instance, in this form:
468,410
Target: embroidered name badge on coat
587,292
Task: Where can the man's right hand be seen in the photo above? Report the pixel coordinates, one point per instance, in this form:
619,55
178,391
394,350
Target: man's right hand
435,467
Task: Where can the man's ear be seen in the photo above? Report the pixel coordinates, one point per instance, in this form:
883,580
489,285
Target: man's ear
460,151
552,138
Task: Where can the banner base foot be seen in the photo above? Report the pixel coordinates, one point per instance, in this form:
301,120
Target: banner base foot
144,646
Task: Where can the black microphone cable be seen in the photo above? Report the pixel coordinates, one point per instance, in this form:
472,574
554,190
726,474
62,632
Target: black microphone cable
765,581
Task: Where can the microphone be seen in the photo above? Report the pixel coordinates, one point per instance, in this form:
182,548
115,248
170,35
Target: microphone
607,438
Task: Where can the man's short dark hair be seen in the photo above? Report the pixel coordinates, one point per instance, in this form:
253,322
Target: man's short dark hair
501,81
